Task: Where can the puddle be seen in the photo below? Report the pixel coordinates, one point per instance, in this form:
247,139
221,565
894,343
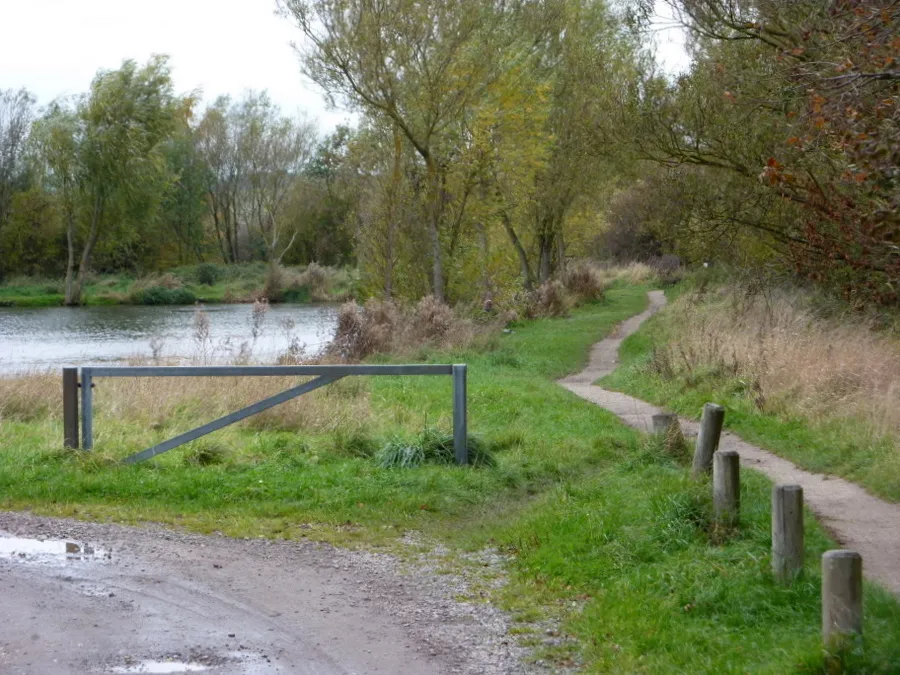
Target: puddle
248,663
162,667
49,550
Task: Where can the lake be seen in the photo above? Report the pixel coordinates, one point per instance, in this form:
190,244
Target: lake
40,339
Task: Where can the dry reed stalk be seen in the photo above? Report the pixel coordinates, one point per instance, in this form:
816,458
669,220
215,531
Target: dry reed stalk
793,361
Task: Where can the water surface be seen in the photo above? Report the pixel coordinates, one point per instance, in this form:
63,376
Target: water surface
49,338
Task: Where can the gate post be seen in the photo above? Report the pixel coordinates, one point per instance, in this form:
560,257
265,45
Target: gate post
460,431
70,408
87,409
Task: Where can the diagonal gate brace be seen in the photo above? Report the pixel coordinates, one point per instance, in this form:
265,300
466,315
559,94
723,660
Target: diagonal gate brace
231,418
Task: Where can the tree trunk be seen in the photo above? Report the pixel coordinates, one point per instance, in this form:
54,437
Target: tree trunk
434,222
546,262
70,263
527,276
392,215
560,251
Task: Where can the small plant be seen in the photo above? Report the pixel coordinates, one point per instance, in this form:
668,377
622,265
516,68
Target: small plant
431,446
398,454
258,317
354,444
202,337
205,454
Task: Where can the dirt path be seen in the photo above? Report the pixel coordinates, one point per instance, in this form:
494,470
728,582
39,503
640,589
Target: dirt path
855,518
150,600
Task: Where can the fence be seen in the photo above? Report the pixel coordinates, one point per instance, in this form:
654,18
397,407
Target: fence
82,379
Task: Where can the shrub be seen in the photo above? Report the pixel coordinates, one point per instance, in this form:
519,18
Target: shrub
583,282
668,269
160,295
384,327
432,319
273,287
362,331
318,280
208,274
550,299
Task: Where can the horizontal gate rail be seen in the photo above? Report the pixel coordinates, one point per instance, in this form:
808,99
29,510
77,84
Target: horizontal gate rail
323,375
268,371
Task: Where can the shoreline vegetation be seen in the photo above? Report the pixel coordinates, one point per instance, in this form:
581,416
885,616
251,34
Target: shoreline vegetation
604,535
206,283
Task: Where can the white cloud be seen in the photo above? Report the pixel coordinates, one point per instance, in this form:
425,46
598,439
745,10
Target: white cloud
54,47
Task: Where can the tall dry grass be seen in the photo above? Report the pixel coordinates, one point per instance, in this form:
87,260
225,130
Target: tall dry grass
790,359
385,327
183,402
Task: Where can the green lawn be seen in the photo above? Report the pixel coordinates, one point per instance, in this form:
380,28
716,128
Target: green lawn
605,532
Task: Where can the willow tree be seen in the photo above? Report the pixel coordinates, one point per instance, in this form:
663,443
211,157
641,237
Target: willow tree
16,114
422,65
105,154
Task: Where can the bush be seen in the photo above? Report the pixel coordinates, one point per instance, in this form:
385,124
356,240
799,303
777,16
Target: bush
432,319
160,295
318,280
583,282
273,288
668,269
208,274
362,331
550,299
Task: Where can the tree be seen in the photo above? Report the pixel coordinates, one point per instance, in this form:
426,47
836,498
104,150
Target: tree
184,204
419,64
16,115
801,98
276,150
105,154
217,146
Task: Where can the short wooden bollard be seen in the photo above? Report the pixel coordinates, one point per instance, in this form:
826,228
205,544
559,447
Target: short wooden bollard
842,611
787,532
708,438
727,487
662,422
70,407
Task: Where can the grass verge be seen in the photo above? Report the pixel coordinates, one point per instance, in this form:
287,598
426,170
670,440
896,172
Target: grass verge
603,530
660,365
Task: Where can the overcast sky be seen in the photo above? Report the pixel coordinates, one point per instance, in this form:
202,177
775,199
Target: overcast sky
54,47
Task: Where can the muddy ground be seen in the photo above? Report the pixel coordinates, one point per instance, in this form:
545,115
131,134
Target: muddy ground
99,598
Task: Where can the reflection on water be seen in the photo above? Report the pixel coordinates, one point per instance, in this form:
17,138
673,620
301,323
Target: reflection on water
49,338
48,550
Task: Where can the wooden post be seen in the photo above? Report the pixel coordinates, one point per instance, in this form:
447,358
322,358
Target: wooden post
727,487
708,438
787,532
70,407
662,422
842,589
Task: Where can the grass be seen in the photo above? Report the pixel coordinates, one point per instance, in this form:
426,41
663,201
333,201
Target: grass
206,283
603,530
820,394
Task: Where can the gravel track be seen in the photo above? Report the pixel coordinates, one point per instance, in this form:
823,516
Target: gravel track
148,599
